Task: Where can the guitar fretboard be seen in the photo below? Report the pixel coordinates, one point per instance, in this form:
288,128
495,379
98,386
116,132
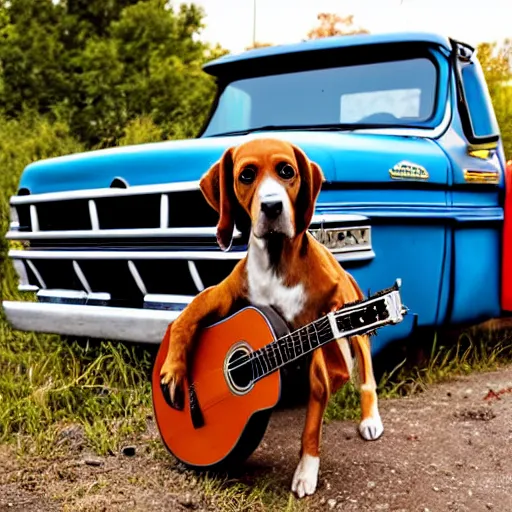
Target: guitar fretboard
290,347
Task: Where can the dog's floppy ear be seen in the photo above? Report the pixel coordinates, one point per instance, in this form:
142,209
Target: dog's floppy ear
217,188
311,177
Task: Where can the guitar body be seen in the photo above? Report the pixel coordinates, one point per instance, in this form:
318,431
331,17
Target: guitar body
233,416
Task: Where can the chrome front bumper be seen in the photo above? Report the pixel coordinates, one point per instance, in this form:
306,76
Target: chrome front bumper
110,323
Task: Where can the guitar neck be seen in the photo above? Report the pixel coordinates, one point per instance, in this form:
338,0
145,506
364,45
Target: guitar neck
361,317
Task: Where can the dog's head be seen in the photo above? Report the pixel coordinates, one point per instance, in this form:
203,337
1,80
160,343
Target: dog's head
272,180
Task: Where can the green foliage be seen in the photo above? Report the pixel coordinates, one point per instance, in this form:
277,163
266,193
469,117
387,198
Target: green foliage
140,131
496,64
502,101
22,141
100,65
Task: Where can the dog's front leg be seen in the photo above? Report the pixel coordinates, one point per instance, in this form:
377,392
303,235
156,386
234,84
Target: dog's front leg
212,303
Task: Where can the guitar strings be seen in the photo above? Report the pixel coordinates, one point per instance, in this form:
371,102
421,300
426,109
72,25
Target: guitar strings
292,344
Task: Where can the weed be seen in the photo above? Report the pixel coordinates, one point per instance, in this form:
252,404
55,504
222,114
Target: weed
45,383
262,494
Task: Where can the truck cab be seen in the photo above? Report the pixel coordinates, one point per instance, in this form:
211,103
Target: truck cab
116,242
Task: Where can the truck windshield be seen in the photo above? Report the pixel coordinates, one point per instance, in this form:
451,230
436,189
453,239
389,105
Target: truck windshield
393,93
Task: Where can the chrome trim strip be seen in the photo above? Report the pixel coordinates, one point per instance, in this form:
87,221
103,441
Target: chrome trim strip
28,288
159,255
117,233
164,211
81,276
13,217
168,298
21,270
59,293
93,193
98,296
324,218
34,220
93,214
194,273
137,277
126,255
42,284
63,294
124,324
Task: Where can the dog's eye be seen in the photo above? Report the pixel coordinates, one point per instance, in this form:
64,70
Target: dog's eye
247,175
286,171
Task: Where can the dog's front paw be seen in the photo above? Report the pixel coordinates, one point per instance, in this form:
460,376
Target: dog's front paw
371,428
305,478
171,381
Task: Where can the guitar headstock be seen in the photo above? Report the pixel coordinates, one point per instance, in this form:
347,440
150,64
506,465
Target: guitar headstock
393,301
382,308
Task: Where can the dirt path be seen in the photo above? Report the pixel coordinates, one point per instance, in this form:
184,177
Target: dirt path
446,450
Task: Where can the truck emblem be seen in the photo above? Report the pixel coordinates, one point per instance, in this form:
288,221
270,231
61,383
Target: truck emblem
408,171
343,239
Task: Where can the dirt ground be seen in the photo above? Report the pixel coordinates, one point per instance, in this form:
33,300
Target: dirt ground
445,450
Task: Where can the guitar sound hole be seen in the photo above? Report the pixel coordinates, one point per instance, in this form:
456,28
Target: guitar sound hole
240,369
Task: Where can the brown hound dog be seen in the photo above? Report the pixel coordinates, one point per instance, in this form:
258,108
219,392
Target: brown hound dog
275,183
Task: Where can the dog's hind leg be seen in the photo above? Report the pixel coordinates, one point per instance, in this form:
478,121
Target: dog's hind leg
370,427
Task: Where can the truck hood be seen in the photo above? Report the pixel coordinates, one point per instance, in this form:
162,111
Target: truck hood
350,158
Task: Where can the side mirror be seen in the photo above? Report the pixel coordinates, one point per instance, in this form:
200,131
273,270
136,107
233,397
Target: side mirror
474,102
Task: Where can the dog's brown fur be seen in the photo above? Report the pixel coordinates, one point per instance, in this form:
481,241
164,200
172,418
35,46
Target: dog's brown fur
302,260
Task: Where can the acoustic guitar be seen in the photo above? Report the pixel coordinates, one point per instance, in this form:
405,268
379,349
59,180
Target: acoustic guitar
234,378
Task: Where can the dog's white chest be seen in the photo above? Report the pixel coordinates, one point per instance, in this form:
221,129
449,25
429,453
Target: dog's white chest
267,289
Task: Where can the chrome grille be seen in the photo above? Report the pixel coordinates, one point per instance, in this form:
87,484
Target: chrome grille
151,246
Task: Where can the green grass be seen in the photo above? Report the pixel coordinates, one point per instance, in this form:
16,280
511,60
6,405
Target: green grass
258,495
47,384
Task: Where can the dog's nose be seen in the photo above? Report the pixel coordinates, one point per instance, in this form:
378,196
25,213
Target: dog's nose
272,209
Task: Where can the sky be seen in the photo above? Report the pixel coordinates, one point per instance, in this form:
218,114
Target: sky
230,22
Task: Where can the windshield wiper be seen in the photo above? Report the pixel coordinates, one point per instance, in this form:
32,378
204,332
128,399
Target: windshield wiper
314,127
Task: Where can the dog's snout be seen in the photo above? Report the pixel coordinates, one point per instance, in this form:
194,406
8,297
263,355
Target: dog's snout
272,209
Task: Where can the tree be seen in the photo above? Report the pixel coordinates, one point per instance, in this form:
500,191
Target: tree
334,25
100,64
496,62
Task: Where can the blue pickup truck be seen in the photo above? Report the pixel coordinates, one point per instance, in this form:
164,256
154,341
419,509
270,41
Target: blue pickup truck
116,242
